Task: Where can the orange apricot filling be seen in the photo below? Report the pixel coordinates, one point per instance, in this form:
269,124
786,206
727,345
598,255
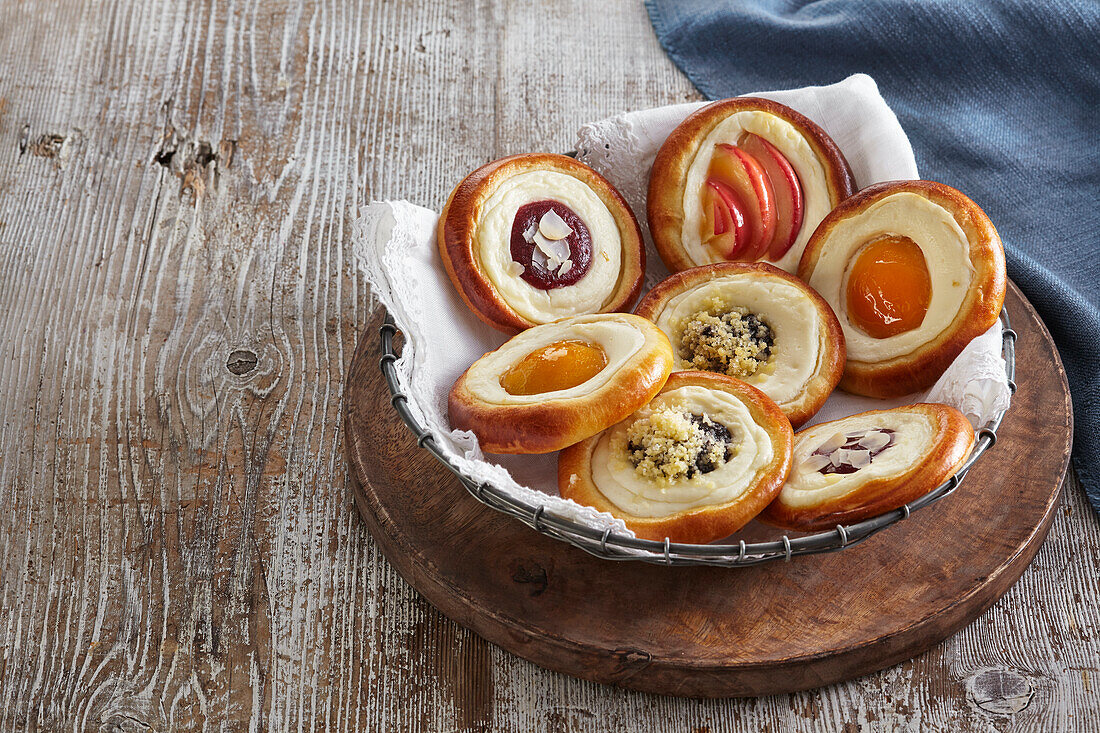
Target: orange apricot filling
889,287
556,366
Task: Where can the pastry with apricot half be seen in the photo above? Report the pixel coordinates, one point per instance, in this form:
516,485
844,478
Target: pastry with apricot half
914,270
555,384
699,461
535,238
754,322
743,179
863,465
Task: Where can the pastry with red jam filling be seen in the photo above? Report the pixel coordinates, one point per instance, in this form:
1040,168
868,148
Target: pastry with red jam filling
532,239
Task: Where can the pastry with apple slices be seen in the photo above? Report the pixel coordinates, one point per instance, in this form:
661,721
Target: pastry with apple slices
743,179
704,457
863,465
534,238
754,322
555,384
914,270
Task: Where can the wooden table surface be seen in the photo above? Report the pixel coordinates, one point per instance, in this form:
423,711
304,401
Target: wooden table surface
178,546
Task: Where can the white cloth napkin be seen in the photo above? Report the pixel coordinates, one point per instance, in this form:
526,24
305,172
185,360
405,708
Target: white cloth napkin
394,246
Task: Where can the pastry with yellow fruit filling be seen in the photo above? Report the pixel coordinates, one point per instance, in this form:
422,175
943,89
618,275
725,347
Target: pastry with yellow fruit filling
754,322
555,384
699,461
860,466
743,179
535,238
914,270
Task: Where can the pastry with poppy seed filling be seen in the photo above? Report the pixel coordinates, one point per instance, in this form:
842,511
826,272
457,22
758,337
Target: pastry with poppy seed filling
704,457
860,466
754,322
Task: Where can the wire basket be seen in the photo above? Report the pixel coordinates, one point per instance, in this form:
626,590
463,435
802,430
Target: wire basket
613,546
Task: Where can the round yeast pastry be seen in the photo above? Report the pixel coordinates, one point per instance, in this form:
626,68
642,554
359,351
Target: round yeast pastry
555,384
532,239
704,457
743,179
914,270
754,322
861,466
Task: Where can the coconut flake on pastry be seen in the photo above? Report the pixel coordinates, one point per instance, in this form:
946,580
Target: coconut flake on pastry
860,466
913,270
756,323
558,383
743,179
694,465
535,238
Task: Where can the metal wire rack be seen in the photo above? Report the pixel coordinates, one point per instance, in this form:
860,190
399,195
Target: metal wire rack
614,546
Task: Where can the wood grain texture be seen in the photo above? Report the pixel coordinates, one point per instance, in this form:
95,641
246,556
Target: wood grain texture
178,548
717,632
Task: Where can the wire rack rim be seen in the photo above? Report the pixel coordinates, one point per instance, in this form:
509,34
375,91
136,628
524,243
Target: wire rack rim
607,544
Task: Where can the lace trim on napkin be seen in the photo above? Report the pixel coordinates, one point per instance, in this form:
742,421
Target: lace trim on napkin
386,236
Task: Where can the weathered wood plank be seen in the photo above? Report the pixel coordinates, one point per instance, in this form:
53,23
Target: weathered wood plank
177,546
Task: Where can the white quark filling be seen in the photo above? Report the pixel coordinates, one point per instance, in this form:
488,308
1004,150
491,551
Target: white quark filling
784,136
914,432
620,340
493,246
616,478
792,317
946,253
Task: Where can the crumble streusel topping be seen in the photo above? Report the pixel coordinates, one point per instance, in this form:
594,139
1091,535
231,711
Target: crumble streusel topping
729,341
670,445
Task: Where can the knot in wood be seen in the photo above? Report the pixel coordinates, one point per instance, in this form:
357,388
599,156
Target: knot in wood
536,576
241,362
1000,691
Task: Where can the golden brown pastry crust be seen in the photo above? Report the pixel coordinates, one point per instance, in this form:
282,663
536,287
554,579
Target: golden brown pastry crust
942,458
665,200
980,308
831,344
553,424
458,223
701,524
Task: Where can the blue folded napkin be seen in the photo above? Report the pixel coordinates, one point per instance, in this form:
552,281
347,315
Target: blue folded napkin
1000,100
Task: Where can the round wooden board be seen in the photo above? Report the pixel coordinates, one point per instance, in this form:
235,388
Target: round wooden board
716,632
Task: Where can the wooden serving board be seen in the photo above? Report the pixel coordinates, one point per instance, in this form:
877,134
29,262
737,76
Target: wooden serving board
713,632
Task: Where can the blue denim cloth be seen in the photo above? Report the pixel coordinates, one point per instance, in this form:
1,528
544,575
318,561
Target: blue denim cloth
1000,100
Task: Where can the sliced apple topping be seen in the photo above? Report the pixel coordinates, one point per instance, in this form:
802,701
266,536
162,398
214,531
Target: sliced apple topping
744,175
751,182
787,188
730,230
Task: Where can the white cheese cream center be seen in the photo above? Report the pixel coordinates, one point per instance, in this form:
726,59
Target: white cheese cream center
792,317
493,249
616,478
